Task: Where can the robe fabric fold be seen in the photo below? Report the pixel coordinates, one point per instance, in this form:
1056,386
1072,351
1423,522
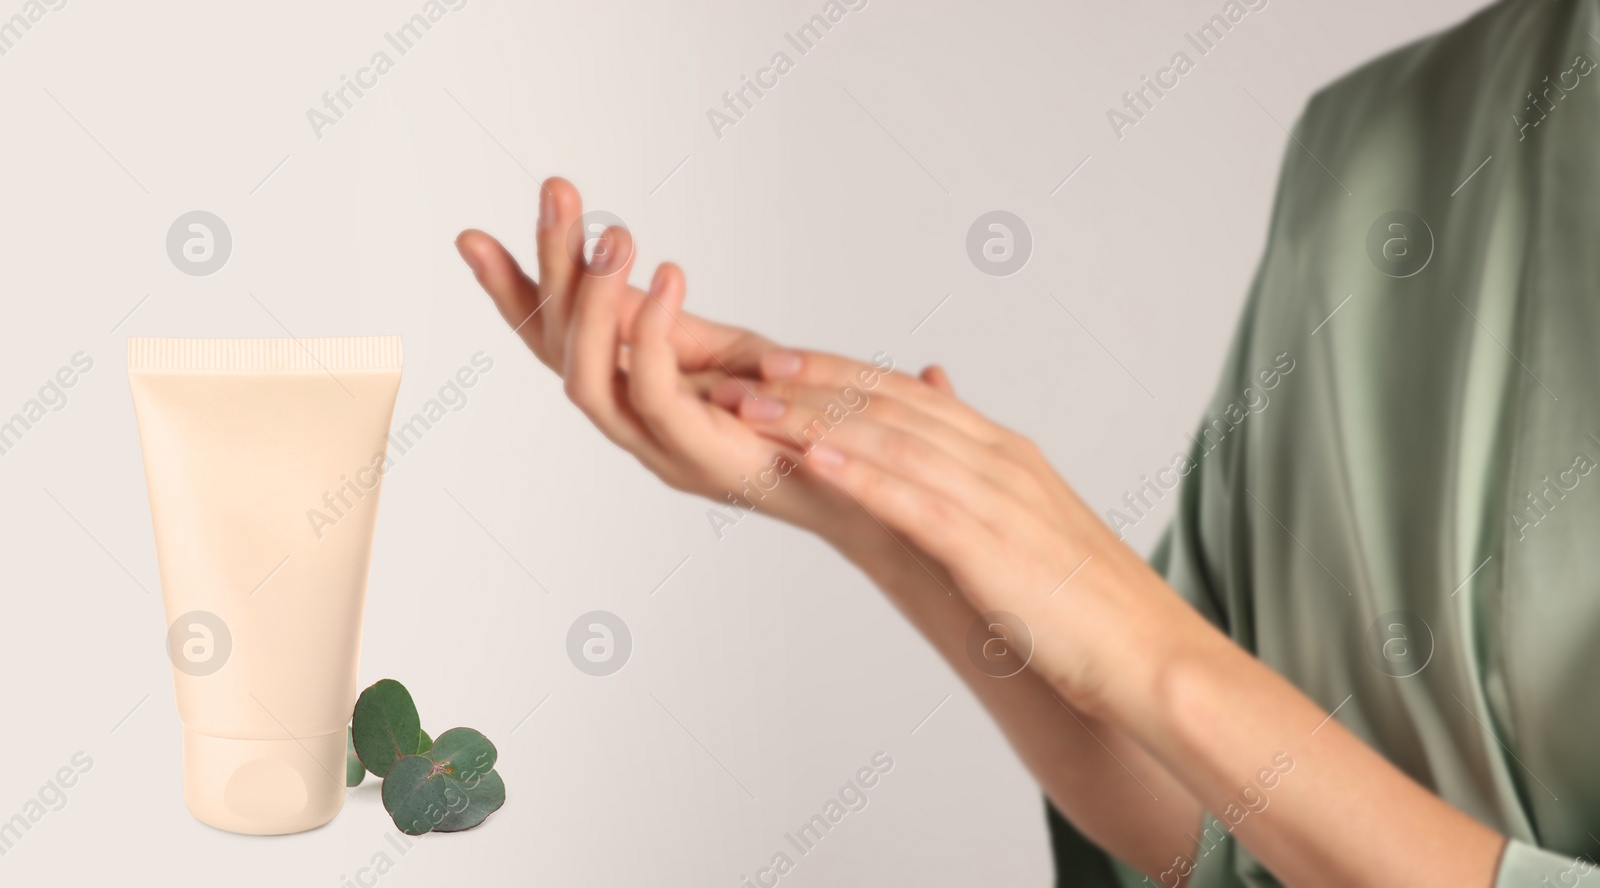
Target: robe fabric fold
1406,522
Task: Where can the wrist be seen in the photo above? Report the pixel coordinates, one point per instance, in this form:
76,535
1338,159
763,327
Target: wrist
1182,673
1144,639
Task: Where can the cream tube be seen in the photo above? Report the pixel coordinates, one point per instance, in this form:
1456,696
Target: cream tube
263,459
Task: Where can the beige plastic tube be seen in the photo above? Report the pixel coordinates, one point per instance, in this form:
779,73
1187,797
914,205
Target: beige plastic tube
263,459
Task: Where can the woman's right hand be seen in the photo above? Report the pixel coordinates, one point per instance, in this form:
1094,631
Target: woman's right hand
543,312
642,370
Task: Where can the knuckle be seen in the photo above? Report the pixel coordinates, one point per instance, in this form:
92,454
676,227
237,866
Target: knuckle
870,485
1015,478
576,392
885,409
904,450
947,527
786,391
1017,448
643,407
808,429
820,368
936,512
640,399
745,342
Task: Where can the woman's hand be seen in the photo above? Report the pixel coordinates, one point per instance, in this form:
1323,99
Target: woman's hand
1111,637
639,368
986,503
544,312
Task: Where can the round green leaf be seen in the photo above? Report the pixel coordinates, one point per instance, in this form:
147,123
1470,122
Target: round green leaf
354,771
385,726
426,744
414,795
463,753
469,804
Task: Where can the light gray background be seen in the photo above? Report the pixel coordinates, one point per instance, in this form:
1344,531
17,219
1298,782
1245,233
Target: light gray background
765,671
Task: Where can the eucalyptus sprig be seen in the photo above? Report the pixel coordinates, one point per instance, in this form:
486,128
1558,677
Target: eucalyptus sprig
446,784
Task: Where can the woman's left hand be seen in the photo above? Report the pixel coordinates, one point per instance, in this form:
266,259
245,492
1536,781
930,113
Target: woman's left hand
986,503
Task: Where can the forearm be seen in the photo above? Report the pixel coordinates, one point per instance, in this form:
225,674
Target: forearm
1112,639
1314,803
1111,789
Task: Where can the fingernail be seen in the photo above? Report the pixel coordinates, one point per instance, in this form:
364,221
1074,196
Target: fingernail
547,208
658,281
780,364
600,262
826,456
761,409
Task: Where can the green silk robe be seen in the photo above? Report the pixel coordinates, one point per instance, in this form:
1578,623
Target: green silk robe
1407,524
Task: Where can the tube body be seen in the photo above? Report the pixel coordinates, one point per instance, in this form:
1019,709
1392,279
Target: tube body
264,460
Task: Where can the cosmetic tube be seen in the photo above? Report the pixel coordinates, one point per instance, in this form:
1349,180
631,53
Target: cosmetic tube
263,459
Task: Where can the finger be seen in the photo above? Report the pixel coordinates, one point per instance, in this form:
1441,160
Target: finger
705,384
705,346
560,208
657,392
592,378
935,376
806,365
804,416
930,520
708,447
821,369
920,461
728,392
707,351
517,297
